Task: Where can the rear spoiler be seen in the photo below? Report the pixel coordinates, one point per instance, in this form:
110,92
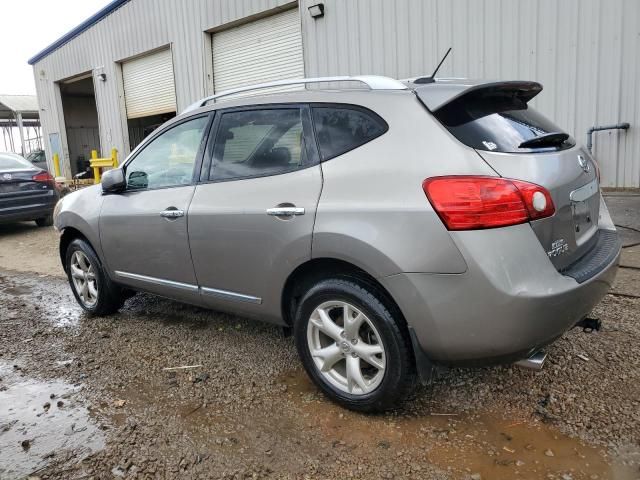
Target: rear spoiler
478,100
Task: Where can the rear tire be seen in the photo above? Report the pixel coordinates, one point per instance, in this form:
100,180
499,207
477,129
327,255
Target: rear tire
366,365
93,289
44,221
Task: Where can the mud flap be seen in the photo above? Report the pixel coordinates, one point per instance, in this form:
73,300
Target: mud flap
425,368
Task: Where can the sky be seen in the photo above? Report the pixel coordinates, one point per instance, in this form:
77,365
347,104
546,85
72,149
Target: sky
28,26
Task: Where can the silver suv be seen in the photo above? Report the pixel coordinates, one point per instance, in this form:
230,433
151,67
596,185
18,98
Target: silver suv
394,228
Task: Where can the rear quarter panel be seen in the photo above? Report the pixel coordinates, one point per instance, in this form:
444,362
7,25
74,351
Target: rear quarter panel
373,211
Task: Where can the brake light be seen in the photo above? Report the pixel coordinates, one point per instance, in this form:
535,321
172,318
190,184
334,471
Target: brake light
42,177
474,202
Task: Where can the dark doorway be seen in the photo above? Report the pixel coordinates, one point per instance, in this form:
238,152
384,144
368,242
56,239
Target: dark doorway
140,128
81,121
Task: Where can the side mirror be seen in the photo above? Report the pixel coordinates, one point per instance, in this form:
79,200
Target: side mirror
113,181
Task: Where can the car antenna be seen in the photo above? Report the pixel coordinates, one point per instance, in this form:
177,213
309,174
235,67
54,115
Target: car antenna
432,78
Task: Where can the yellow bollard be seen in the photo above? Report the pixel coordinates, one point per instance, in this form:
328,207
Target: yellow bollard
56,164
114,156
96,170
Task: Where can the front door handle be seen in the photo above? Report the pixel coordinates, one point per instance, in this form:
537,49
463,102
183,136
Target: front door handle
285,211
172,213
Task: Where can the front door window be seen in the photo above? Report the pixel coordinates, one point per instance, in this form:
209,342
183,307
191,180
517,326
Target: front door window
169,159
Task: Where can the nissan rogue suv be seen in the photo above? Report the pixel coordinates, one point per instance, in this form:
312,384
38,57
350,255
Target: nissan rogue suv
394,228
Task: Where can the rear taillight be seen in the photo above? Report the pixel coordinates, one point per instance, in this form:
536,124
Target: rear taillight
470,202
44,177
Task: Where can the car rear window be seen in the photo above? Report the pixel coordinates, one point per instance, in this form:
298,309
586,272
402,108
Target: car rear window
497,117
11,161
340,129
504,131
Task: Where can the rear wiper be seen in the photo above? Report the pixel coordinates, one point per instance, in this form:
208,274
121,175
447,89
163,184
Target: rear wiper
551,139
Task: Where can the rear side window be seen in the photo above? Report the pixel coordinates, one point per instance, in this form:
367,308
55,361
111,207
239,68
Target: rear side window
340,129
258,143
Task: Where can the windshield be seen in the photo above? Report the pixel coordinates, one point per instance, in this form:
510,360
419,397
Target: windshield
12,161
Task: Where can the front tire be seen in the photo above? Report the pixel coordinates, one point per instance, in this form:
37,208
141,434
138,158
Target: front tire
45,221
352,347
91,286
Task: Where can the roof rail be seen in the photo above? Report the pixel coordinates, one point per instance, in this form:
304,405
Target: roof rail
374,82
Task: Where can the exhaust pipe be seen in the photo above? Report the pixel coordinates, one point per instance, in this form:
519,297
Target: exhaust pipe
534,362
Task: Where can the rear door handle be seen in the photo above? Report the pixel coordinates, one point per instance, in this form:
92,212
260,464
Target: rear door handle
285,211
172,213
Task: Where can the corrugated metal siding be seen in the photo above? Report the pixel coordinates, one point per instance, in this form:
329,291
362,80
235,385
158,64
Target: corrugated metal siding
137,27
149,88
584,52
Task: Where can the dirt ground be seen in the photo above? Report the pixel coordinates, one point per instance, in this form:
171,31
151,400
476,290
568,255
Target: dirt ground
88,397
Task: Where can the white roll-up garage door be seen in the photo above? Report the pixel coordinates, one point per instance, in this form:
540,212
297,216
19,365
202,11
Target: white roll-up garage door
149,87
263,50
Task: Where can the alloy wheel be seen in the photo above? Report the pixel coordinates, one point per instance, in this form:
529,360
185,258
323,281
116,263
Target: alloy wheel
346,347
84,278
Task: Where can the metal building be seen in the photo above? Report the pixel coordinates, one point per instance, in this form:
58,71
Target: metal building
135,63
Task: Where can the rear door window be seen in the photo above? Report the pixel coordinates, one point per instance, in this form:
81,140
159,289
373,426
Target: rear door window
260,142
340,129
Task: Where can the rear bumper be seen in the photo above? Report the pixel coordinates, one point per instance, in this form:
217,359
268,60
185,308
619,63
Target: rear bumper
509,303
29,208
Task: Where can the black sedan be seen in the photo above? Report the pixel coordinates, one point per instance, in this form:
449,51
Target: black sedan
26,191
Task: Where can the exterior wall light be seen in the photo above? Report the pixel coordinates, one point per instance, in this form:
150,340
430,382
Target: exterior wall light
317,10
102,77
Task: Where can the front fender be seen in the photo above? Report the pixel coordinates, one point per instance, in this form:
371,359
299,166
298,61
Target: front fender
80,210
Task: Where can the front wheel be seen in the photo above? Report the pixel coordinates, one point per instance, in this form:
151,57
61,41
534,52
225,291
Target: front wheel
44,221
352,347
91,286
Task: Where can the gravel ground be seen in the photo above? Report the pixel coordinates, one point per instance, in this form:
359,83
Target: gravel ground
249,411
88,397
25,247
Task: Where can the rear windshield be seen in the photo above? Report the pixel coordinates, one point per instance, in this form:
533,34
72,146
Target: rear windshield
501,123
12,161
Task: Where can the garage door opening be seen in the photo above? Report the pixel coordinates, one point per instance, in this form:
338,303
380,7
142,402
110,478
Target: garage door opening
149,93
81,121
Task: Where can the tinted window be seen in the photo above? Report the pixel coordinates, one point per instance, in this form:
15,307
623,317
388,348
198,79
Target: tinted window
169,159
503,131
13,161
340,129
257,143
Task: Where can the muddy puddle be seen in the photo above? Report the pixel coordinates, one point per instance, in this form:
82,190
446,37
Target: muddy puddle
464,444
41,422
